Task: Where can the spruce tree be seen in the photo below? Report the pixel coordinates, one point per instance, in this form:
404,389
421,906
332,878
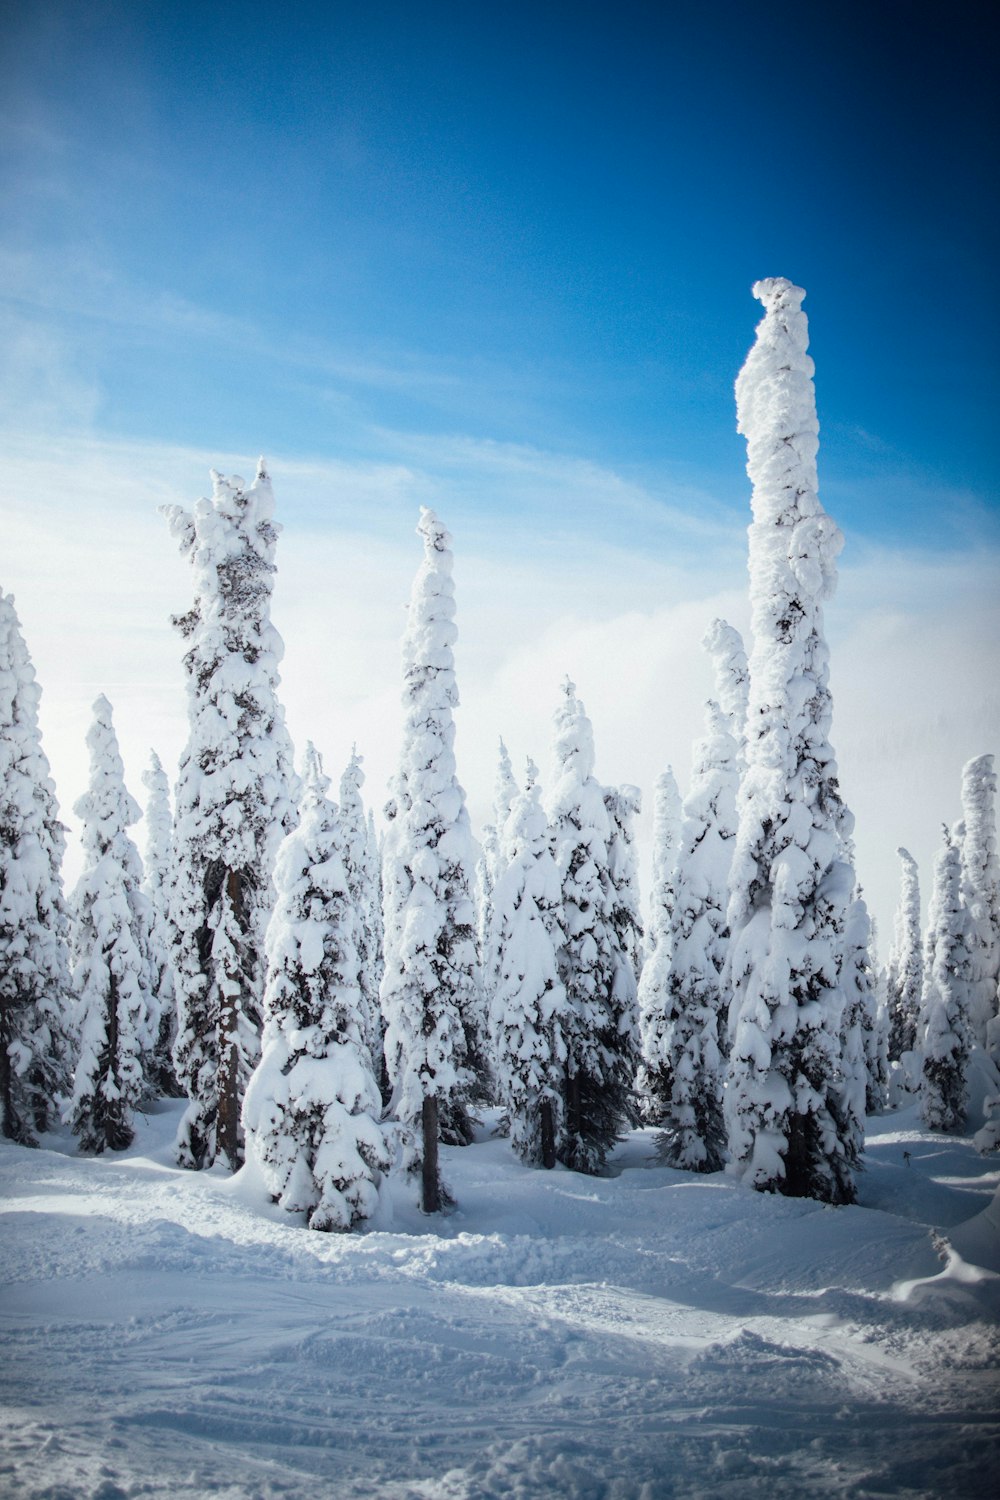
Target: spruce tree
981,893
905,971
234,802
431,994
35,1002
694,1134
792,877
363,883
945,1004
157,882
601,1028
490,867
312,1104
654,1081
724,645
528,1004
623,805
863,1010
111,953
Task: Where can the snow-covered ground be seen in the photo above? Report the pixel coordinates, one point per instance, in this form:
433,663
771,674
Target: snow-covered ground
643,1335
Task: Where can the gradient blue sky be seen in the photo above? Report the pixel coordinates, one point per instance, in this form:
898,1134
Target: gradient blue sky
245,229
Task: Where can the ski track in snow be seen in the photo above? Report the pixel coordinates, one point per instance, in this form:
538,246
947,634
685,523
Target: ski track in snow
637,1336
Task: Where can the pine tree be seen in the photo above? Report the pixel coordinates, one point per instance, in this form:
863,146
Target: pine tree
792,876
945,1004
111,952
491,865
863,1009
431,994
601,1014
35,1026
654,1082
724,645
158,872
623,805
234,802
528,1004
312,1104
363,884
905,972
981,892
694,1133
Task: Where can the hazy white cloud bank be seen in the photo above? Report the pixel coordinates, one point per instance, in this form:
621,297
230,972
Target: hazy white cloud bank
561,567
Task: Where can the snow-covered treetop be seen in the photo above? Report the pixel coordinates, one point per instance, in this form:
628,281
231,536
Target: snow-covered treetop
573,744
776,410
431,632
351,782
106,809
724,645
20,746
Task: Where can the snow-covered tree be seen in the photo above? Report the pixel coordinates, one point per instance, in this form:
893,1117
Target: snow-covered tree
312,1105
694,1134
654,1026
623,804
157,881
431,994
945,1004
35,1017
724,645
601,1027
865,1064
234,801
363,884
981,891
792,876
905,971
111,952
528,1003
491,865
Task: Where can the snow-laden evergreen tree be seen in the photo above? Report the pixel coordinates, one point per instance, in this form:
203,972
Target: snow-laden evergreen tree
111,953
157,881
363,884
654,1026
491,865
865,1073
792,876
35,1005
905,971
724,645
601,1027
694,1134
312,1105
431,993
981,892
234,802
623,804
528,1005
945,1004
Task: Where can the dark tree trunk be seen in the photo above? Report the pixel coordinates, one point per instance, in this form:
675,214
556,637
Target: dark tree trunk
430,1182
548,1136
228,1117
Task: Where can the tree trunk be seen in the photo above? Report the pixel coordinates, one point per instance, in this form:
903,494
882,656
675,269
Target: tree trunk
548,1136
227,1129
431,1185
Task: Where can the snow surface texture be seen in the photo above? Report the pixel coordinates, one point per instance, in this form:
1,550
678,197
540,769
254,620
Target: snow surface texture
633,1337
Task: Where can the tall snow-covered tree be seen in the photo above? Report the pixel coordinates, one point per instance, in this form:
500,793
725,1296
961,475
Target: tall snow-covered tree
363,884
724,645
623,804
35,1006
945,1004
792,876
905,971
111,952
157,881
431,994
601,1027
491,865
312,1105
694,1134
528,1003
234,802
981,892
654,1025
870,1076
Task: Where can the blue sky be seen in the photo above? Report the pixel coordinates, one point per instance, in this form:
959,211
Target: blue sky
498,260
536,224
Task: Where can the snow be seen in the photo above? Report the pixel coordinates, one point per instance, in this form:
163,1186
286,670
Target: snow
644,1334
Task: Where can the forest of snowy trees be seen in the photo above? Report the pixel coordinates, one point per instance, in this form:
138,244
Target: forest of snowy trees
333,1004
